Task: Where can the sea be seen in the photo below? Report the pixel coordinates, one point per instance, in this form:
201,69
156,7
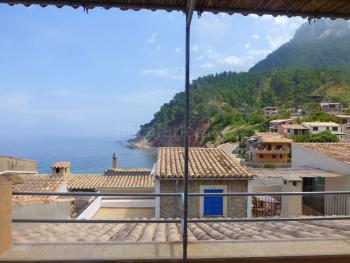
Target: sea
87,155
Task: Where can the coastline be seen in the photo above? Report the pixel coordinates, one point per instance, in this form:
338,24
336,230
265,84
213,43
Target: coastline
140,144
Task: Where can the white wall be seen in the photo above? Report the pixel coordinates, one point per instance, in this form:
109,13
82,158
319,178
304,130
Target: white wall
305,157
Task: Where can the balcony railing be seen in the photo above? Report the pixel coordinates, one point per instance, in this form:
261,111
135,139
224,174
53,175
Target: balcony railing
272,151
262,196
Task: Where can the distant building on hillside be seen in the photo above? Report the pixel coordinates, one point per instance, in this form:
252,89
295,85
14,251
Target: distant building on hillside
345,123
295,112
331,107
316,127
211,171
290,130
274,124
270,111
268,148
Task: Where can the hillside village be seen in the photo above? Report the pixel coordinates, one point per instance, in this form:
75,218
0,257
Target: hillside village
265,144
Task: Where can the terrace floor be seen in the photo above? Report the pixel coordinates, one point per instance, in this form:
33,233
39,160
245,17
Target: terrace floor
232,242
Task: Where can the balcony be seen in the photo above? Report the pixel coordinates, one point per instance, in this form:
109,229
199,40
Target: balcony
272,151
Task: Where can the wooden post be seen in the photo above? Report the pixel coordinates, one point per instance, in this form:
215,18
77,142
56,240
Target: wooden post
5,214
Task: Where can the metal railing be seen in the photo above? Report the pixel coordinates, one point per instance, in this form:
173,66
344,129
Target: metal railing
181,195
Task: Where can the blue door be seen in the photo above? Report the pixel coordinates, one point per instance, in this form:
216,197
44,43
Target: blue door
213,205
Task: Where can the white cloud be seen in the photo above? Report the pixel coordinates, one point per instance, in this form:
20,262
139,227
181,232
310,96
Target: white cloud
207,65
195,48
230,60
281,20
255,36
171,73
158,48
152,39
13,101
178,50
247,46
276,41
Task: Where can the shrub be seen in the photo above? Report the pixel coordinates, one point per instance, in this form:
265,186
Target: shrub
230,137
325,136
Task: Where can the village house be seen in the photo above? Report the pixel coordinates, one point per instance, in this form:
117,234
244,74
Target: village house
316,127
268,148
211,171
274,124
295,112
115,180
270,111
331,107
333,158
345,123
291,130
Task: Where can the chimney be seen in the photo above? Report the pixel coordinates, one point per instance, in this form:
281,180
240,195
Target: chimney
114,161
61,168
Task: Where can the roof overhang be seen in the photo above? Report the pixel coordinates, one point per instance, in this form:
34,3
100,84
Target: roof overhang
308,9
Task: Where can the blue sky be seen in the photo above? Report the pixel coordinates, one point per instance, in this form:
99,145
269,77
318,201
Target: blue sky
64,72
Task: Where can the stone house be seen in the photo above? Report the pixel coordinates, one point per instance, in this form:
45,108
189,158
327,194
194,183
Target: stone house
275,124
267,147
318,126
211,170
291,130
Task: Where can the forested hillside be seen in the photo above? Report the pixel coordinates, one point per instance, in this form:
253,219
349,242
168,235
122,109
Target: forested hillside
228,104
314,66
321,44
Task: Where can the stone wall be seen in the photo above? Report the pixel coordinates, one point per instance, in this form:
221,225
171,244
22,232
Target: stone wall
172,208
17,164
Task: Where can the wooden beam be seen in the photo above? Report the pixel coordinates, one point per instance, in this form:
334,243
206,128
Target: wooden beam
189,11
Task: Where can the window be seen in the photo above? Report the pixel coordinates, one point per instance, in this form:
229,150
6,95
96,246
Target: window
274,156
334,128
213,205
281,156
315,128
261,156
278,147
57,170
327,128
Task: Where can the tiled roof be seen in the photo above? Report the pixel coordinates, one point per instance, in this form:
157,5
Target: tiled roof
321,124
281,120
338,151
90,182
128,171
310,8
343,116
267,137
61,165
151,232
37,183
294,127
203,163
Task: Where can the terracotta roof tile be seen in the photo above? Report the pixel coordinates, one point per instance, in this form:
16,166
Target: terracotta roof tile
338,151
267,137
91,182
203,163
321,124
61,165
169,232
37,183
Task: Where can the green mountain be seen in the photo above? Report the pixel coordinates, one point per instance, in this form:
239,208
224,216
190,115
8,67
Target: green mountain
312,67
320,44
227,106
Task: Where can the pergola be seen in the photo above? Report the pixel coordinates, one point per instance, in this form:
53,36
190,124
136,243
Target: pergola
311,9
